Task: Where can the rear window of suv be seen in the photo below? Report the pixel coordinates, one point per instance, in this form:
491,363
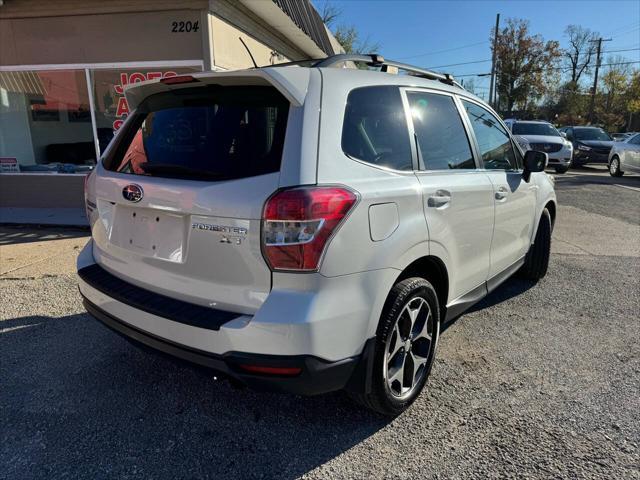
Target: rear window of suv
205,133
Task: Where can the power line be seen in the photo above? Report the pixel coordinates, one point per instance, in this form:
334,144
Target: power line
617,29
628,31
457,64
566,69
488,60
443,51
605,51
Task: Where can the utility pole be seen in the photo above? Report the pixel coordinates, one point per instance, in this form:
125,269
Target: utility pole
493,61
595,76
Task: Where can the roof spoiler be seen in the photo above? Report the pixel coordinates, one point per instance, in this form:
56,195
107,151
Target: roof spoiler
292,83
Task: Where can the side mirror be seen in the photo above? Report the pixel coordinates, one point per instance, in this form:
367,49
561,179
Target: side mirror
564,134
534,161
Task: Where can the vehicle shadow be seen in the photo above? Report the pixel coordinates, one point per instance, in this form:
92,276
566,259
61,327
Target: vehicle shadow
79,401
16,234
511,288
588,175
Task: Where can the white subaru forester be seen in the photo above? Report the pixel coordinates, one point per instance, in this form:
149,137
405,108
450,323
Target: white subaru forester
307,228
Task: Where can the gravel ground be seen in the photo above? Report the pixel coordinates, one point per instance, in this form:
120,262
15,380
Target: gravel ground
537,381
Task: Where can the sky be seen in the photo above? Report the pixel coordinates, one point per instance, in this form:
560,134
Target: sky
437,33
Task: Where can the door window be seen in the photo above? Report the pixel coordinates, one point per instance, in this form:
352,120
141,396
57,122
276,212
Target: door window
493,140
375,128
441,136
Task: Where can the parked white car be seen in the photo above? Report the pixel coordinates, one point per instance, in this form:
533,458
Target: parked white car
625,156
307,228
542,136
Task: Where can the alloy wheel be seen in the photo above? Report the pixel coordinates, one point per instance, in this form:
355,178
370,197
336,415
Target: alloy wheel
408,348
613,167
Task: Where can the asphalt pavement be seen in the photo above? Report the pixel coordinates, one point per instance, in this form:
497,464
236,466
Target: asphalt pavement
537,381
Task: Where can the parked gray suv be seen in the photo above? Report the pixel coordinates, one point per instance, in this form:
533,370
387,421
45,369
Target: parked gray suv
307,228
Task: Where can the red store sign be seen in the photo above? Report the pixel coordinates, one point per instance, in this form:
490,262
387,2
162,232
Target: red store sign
128,79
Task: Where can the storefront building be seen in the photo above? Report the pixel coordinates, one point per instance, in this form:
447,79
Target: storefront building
64,64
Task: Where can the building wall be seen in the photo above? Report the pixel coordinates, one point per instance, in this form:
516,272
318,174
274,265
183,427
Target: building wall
52,190
49,8
229,53
122,37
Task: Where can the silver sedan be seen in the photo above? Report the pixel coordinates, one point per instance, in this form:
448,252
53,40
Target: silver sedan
625,156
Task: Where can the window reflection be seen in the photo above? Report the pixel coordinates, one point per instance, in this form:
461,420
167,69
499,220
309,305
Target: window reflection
46,121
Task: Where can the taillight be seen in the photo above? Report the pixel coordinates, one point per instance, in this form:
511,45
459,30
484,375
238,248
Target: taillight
297,224
178,79
88,204
86,182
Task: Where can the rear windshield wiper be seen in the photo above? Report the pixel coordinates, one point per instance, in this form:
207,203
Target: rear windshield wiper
182,171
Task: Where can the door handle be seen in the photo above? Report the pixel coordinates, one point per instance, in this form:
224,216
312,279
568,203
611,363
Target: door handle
501,193
439,199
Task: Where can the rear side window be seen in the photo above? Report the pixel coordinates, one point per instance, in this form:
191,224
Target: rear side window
375,128
441,136
205,133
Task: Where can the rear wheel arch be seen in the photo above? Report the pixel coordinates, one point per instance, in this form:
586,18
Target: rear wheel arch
433,269
551,207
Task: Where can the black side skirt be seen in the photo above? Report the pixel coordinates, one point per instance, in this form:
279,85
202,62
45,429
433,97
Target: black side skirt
466,301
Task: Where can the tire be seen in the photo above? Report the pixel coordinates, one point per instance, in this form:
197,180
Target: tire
401,366
562,169
537,260
614,167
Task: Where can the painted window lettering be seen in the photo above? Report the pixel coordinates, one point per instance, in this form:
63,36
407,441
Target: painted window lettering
126,79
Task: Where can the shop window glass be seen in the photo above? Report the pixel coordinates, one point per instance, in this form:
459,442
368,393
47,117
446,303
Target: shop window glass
111,108
45,122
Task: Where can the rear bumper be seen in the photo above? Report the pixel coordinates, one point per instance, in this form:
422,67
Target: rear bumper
304,324
303,314
316,375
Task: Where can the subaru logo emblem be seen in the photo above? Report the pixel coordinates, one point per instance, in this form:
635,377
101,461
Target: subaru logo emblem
132,192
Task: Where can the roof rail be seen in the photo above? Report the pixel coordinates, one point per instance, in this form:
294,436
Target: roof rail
375,60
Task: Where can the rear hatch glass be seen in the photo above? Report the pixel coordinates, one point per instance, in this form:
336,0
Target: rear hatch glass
205,133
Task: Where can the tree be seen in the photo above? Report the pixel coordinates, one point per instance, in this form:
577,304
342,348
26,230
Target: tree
347,36
330,13
470,86
612,99
615,80
525,63
633,100
580,52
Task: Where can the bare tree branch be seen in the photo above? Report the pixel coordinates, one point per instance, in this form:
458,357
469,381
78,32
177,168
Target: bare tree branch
581,52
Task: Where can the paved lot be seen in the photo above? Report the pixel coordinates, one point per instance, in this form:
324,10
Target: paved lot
537,381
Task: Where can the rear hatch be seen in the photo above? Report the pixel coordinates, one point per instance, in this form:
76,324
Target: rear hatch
179,195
